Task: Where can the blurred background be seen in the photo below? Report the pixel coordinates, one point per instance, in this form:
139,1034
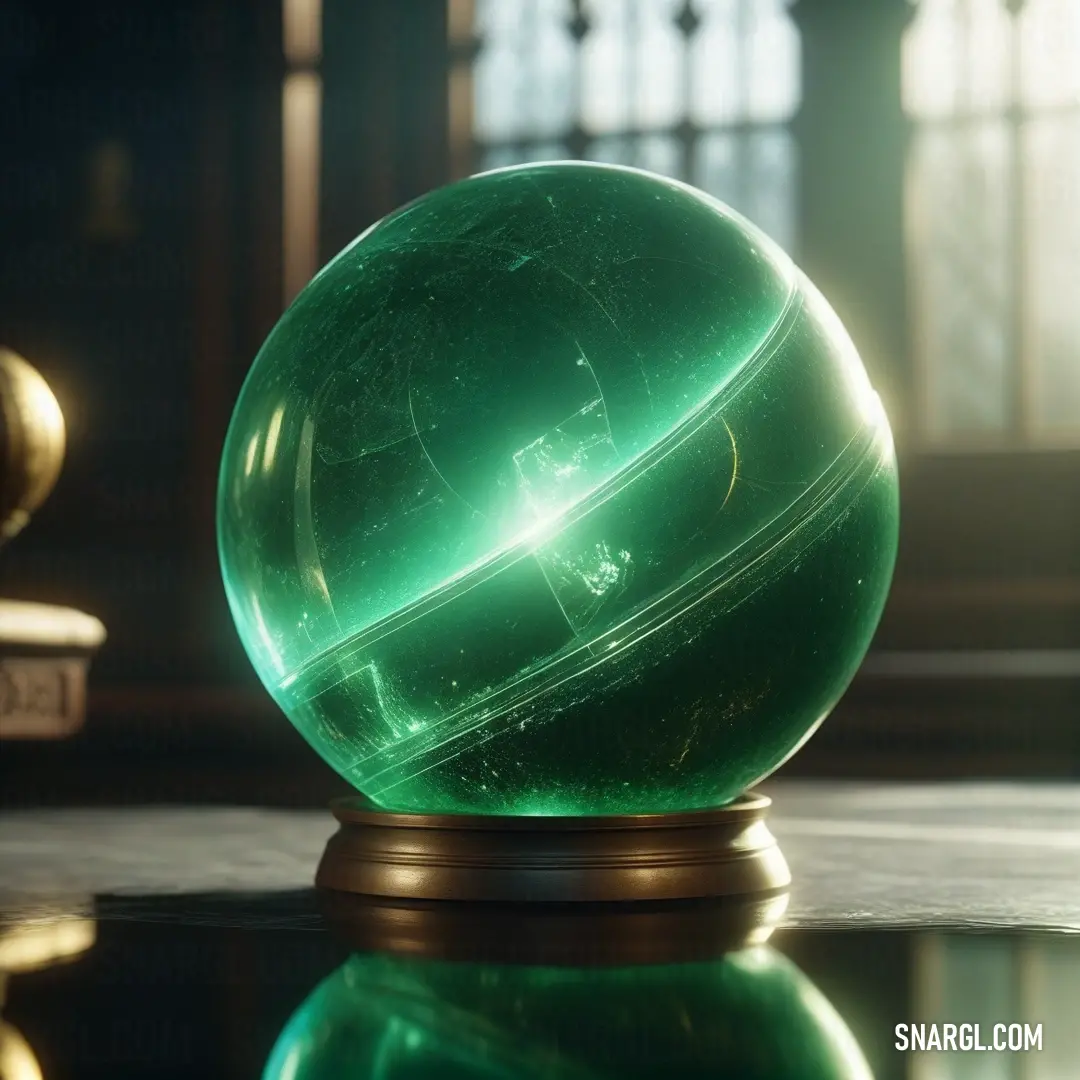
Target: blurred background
171,174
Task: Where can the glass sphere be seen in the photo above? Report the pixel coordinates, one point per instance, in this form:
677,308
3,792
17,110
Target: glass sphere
748,1016
559,491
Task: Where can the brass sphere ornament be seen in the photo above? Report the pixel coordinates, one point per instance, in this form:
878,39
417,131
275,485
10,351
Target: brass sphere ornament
32,440
45,649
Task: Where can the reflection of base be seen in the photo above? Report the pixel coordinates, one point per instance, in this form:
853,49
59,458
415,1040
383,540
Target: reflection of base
725,852
48,937
17,1060
575,935
29,944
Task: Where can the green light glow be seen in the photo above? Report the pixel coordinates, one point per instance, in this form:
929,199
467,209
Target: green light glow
561,486
750,1016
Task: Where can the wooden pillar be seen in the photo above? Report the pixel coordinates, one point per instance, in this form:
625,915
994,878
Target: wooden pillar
851,134
265,66
385,110
212,352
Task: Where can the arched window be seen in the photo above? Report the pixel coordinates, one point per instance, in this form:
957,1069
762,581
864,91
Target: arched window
701,90
993,208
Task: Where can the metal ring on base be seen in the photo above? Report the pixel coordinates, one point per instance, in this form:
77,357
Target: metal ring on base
722,852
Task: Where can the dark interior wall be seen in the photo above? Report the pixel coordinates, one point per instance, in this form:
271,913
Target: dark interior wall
131,197
106,313
384,116
146,323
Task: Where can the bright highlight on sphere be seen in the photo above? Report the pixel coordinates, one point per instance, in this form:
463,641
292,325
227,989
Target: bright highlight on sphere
559,491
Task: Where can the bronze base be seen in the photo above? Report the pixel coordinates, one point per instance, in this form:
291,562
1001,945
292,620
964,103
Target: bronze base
725,852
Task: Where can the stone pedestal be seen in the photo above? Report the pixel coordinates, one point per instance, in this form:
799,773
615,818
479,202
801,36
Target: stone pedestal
45,650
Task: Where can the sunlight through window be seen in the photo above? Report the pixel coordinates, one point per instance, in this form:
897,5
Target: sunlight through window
701,91
993,90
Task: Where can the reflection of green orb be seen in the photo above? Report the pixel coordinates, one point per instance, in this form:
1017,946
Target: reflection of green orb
751,1016
560,491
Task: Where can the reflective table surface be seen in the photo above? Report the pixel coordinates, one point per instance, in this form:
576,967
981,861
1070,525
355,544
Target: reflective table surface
188,942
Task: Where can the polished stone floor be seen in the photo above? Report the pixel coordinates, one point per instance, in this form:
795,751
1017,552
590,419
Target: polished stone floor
188,942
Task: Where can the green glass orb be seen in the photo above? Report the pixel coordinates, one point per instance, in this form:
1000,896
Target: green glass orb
559,491
749,1016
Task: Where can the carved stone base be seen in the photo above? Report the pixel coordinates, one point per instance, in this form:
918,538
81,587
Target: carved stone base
44,656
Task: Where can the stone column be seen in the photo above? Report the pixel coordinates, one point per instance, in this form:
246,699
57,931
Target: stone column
851,134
